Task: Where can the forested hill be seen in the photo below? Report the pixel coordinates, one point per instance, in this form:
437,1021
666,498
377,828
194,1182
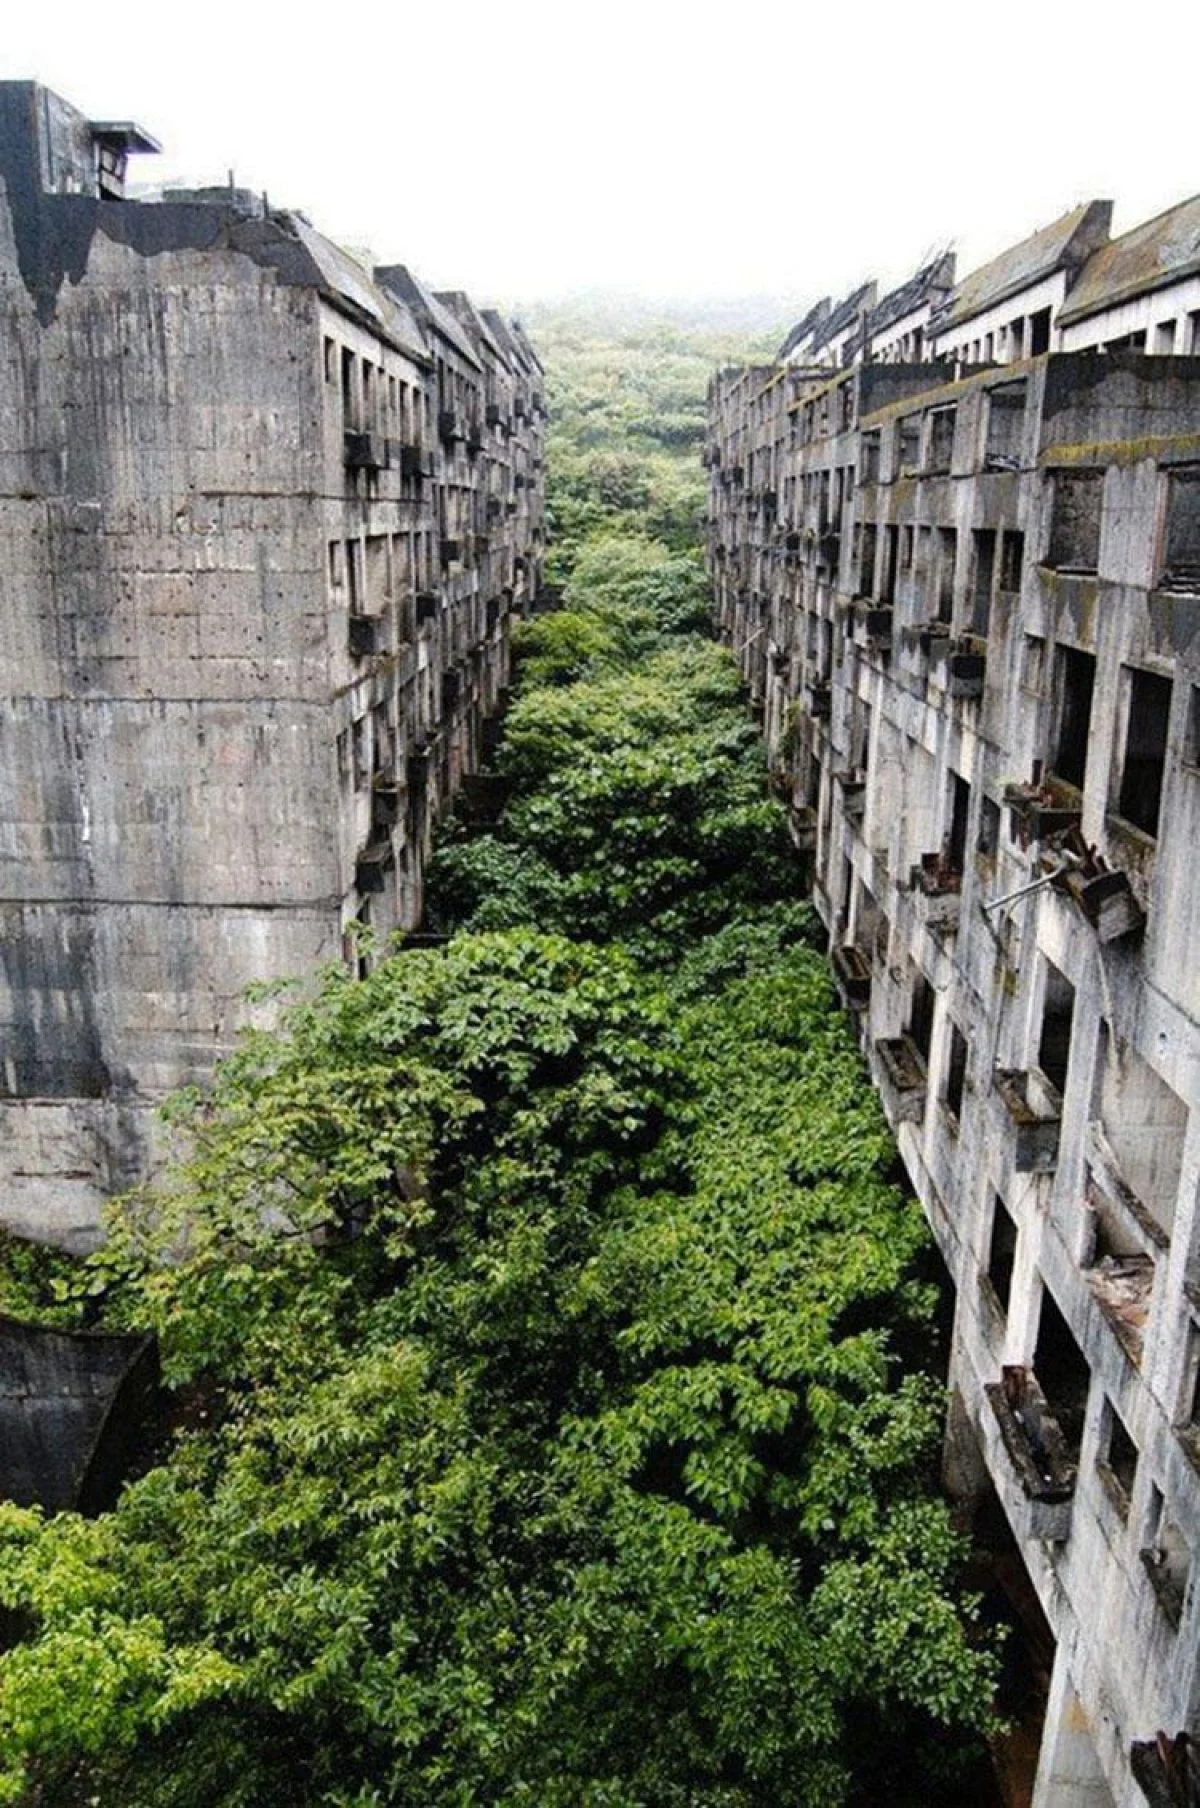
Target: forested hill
556,1409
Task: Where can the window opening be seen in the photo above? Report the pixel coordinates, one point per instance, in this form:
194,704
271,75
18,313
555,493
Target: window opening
1002,1253
1076,678
956,1071
1058,1017
960,810
1181,557
1075,521
1005,425
941,438
1120,1459
1012,561
947,554
1062,1372
984,571
1140,796
1039,332
920,1013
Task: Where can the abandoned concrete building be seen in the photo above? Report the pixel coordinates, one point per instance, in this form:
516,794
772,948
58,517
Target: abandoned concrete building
265,516
964,590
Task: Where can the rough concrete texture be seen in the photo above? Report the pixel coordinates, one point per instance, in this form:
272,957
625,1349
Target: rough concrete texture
255,588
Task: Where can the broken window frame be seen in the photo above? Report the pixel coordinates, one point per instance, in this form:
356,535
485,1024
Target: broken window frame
1179,566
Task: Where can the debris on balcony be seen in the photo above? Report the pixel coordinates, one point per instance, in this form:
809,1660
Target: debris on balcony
1121,1286
1102,892
852,971
936,887
903,1078
1040,813
1036,1447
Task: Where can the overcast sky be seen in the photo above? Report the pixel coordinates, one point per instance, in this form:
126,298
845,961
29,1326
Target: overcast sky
525,149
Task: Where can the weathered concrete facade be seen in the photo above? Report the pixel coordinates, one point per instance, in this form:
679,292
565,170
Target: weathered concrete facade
966,599
264,519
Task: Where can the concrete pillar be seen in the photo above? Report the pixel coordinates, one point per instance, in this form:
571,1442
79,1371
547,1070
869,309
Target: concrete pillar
1068,1773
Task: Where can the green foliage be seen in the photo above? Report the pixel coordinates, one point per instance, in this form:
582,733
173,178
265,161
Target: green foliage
551,1324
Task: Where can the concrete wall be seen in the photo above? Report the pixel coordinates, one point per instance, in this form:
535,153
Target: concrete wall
910,613
241,673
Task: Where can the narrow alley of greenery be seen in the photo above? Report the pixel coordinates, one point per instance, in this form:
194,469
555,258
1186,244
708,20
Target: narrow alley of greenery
555,1398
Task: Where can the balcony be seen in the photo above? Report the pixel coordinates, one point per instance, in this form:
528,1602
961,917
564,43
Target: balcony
961,670
428,603
365,451
451,552
1033,1108
387,794
492,415
818,699
1105,897
902,1077
1040,812
852,973
366,635
1037,1450
415,462
370,868
935,887
853,786
449,429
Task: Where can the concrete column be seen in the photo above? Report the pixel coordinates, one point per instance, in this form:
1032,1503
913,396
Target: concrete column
1068,1773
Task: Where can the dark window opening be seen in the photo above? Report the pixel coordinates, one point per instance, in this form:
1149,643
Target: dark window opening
349,412
1075,521
1002,1253
1012,561
920,1013
1076,679
1181,555
989,827
1005,425
870,456
910,442
866,571
1145,750
1120,1459
984,572
891,554
1062,1372
947,555
956,1071
960,810
941,438
906,548
1039,332
1058,1018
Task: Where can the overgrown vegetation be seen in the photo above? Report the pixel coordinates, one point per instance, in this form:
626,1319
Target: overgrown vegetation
561,1427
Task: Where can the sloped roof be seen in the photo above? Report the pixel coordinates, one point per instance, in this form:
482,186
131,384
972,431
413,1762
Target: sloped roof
844,314
346,278
804,328
475,322
399,280
1064,244
1162,250
930,281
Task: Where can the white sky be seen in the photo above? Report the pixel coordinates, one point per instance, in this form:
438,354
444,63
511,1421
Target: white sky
527,148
